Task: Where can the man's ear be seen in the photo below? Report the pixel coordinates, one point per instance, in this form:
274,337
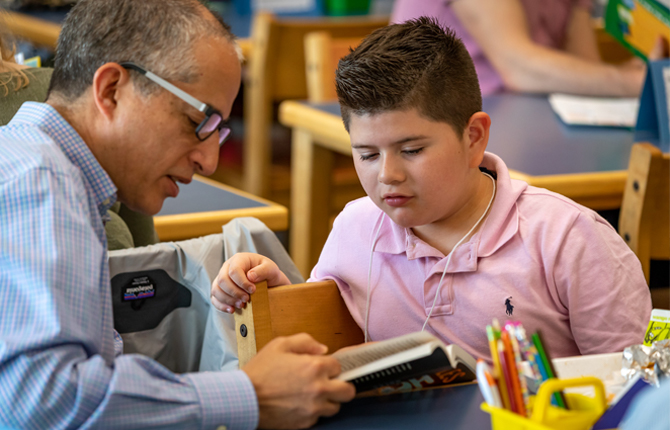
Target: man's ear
476,135
109,80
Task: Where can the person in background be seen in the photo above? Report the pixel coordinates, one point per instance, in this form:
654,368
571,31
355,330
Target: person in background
532,46
124,121
445,240
18,83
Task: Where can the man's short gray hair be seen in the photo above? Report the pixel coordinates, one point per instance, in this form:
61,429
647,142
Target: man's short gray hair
156,34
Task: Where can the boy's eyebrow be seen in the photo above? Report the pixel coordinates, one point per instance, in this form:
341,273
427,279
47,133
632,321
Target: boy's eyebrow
399,142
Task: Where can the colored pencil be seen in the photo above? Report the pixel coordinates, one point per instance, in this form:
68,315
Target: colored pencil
490,332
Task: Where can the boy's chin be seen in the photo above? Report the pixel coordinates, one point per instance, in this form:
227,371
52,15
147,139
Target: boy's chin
400,219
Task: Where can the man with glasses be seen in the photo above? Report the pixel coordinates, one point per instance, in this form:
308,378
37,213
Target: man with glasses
138,103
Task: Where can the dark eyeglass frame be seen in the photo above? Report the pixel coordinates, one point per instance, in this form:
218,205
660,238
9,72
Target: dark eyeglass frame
202,131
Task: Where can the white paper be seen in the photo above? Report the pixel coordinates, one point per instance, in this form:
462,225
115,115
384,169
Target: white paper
284,5
605,111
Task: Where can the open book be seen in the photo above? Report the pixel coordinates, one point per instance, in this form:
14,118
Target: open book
405,363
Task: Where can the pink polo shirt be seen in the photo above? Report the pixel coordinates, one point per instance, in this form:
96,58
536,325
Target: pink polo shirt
547,22
565,269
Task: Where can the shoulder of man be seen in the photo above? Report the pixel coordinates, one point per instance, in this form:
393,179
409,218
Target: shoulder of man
25,148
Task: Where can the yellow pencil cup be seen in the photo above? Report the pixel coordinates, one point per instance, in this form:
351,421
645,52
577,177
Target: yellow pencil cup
582,412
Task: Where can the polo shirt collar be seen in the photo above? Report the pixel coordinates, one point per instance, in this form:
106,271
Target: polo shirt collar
502,222
47,119
499,227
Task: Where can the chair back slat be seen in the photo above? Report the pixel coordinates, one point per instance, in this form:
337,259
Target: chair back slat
316,308
644,222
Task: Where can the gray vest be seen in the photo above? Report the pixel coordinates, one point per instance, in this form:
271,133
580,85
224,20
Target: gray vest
161,296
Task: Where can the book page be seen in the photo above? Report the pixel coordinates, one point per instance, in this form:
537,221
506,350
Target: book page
366,354
602,111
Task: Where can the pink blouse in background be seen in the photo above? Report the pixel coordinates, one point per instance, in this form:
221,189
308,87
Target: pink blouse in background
547,19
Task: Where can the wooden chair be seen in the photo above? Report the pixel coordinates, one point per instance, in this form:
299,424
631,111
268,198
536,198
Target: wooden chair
315,308
322,53
277,72
644,222
38,31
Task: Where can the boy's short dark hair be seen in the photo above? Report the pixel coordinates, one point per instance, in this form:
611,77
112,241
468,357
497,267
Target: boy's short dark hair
417,64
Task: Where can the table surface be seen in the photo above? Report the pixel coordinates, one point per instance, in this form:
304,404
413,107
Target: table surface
453,408
200,196
530,138
204,206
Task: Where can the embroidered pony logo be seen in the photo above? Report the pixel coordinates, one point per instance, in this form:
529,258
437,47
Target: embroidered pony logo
508,305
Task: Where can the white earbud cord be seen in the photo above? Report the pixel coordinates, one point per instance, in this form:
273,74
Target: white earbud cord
444,271
367,300
439,286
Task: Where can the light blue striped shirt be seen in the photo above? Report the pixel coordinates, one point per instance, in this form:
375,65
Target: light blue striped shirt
58,365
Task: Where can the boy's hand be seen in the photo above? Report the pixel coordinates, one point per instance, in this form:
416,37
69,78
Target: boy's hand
237,278
295,383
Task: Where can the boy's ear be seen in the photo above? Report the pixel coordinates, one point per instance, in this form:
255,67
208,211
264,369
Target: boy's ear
108,81
476,135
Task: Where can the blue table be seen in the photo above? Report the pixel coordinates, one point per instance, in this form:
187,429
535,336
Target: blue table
204,205
453,408
587,164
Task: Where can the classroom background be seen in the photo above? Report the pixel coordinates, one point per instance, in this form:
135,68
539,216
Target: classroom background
289,163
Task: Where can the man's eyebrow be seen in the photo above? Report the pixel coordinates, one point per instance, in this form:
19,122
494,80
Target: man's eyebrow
398,142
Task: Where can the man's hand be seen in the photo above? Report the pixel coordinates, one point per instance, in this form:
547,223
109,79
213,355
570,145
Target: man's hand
294,382
236,280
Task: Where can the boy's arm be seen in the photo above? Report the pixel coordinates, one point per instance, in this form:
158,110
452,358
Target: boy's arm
236,280
600,281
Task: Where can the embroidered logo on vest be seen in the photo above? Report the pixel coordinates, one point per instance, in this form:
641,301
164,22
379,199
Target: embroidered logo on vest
508,305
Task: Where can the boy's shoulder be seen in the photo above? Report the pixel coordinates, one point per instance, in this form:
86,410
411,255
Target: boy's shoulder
540,206
544,201
361,211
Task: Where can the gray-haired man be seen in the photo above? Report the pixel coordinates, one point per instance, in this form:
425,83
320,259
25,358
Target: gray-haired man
138,101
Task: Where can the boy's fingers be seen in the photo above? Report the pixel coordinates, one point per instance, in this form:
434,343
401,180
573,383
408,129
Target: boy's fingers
224,298
270,272
239,277
222,306
262,272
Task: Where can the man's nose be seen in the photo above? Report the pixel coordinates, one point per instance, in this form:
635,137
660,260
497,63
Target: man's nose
206,156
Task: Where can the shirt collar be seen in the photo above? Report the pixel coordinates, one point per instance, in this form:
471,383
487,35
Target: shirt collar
500,226
502,223
47,119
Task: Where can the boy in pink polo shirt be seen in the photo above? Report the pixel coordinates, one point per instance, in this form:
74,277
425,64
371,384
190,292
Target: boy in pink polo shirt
446,240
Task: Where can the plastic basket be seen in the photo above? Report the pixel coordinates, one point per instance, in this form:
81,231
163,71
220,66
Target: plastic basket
583,411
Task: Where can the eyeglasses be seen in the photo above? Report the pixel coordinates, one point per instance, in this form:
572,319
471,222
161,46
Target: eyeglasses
213,119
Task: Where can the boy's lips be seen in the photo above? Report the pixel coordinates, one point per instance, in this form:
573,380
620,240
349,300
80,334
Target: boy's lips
396,200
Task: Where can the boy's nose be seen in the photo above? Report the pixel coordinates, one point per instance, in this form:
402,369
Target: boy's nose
390,171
